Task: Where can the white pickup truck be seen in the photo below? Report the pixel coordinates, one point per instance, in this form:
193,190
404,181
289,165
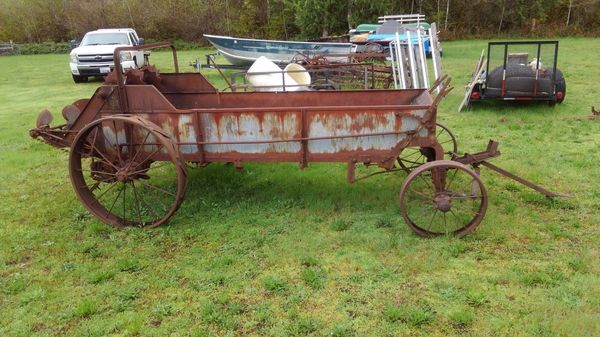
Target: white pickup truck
94,55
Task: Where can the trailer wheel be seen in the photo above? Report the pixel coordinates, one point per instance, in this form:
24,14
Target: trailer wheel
560,87
132,177
413,157
443,197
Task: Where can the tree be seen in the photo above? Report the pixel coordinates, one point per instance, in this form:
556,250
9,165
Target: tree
320,18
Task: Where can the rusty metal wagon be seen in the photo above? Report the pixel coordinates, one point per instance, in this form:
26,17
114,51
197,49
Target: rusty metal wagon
131,141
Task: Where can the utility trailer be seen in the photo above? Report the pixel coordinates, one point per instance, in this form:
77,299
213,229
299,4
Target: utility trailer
517,71
131,141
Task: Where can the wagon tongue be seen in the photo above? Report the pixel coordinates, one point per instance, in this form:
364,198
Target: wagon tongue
44,119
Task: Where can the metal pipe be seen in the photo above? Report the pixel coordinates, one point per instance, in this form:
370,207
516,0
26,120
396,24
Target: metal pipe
424,71
411,57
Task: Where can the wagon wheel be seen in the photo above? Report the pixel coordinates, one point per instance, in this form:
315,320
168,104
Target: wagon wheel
411,158
443,197
118,176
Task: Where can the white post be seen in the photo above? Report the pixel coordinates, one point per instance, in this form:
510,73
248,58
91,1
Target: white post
393,56
424,71
400,62
411,57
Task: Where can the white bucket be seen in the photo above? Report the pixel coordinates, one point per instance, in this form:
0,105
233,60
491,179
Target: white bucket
275,77
299,74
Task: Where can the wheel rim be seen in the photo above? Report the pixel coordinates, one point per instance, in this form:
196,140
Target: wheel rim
413,157
134,177
443,197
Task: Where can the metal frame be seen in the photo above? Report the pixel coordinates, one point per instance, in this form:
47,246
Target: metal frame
535,96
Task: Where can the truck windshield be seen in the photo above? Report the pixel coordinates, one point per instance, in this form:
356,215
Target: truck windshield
103,39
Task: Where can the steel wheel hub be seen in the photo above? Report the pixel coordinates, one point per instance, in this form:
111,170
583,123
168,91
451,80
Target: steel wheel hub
443,202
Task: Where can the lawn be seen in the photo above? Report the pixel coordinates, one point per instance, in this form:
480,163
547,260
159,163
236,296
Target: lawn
278,251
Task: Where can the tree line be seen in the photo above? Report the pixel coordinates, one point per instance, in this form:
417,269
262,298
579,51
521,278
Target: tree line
61,20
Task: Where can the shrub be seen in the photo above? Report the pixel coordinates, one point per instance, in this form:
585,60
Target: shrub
45,48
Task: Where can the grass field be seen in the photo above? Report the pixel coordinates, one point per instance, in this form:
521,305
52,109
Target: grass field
276,251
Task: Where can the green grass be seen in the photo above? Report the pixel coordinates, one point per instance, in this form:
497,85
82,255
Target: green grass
276,251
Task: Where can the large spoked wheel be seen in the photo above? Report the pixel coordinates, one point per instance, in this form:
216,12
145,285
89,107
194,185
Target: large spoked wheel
443,197
127,171
411,157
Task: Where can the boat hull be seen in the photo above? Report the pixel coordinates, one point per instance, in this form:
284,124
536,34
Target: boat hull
240,51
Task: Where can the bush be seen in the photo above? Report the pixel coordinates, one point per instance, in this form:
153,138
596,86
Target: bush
45,48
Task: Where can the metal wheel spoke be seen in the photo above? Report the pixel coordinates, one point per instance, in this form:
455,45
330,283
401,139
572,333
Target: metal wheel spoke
94,141
95,171
137,204
445,223
124,204
456,216
410,154
463,208
417,162
467,197
115,201
432,217
105,159
447,187
160,146
105,191
424,195
158,199
151,168
139,147
157,188
148,207
118,145
96,184
427,182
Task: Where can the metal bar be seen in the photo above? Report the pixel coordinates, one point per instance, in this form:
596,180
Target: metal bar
392,57
222,75
424,73
411,57
504,68
123,102
555,62
434,51
521,42
304,135
487,64
400,62
278,109
299,139
200,135
525,182
372,76
537,70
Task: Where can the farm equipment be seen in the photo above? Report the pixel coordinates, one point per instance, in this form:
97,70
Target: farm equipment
131,141
517,71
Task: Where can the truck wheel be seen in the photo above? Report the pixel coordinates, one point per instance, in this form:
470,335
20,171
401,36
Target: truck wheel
79,79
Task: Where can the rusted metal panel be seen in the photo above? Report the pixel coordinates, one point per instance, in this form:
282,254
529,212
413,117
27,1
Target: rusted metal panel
245,127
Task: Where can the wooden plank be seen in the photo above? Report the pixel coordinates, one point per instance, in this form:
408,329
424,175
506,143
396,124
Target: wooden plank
479,69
